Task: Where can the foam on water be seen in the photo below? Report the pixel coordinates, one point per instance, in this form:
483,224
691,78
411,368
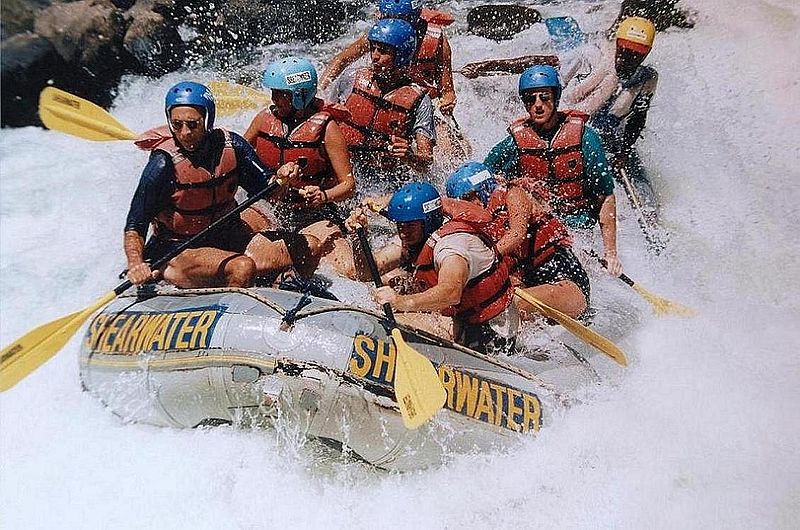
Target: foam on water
700,432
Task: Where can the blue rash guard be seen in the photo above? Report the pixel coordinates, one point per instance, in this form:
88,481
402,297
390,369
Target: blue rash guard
157,183
504,158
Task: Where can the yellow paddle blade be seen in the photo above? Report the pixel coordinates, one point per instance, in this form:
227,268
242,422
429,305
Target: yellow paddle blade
576,328
233,99
662,306
33,349
417,386
67,113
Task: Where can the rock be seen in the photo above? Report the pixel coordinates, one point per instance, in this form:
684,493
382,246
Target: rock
28,62
155,45
87,33
85,46
501,22
230,29
17,16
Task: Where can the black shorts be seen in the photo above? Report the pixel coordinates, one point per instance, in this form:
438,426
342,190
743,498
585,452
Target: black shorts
563,266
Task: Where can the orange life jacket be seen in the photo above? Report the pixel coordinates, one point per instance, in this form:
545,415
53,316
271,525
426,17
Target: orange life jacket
556,167
376,116
426,67
545,232
276,145
200,197
485,296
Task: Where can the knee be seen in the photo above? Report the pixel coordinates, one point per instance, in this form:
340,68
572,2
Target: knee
240,272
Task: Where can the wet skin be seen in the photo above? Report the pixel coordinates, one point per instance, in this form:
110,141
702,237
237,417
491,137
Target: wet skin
541,106
382,56
188,126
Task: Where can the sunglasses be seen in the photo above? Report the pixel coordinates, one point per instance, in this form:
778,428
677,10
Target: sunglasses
544,97
177,125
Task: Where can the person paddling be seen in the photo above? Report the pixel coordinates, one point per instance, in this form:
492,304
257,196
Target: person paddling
190,181
390,132
299,127
445,263
536,245
563,159
430,65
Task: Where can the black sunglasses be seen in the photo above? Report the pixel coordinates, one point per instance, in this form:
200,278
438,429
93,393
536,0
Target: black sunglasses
177,125
544,97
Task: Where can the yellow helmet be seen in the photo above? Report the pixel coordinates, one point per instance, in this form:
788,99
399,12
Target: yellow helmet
637,34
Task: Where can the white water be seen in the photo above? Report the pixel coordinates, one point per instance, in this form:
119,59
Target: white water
700,433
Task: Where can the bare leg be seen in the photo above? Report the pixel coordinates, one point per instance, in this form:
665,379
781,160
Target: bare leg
565,296
301,251
269,256
256,220
210,267
340,258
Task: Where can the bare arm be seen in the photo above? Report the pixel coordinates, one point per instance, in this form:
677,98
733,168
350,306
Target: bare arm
519,213
447,98
453,276
336,147
138,271
387,258
608,231
342,60
252,131
339,156
420,158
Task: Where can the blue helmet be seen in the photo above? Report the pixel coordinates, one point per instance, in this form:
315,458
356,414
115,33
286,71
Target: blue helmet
405,9
193,95
398,34
295,75
471,176
540,76
417,201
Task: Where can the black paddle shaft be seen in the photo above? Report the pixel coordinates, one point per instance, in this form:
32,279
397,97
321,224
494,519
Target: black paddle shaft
604,263
119,289
373,269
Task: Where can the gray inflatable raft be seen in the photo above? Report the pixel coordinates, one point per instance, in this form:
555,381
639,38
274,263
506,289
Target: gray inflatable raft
188,358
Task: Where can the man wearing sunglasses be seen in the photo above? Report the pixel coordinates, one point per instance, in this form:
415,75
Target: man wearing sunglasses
390,132
189,182
562,159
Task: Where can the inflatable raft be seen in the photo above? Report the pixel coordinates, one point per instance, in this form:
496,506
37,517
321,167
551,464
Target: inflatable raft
254,357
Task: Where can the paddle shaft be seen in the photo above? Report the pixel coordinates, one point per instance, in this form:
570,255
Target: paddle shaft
624,277
633,196
373,269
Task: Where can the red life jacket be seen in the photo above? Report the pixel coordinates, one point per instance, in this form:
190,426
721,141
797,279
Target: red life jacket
200,198
426,67
545,232
485,296
375,116
276,145
557,166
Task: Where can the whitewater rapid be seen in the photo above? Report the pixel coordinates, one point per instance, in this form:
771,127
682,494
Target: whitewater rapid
701,432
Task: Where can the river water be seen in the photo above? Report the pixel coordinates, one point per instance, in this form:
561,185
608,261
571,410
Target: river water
701,432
